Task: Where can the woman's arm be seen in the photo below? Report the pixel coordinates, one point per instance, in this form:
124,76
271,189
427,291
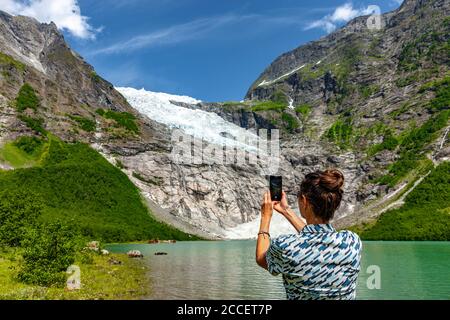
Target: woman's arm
283,208
263,242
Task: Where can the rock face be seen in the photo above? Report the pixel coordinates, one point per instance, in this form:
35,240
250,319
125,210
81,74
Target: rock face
354,78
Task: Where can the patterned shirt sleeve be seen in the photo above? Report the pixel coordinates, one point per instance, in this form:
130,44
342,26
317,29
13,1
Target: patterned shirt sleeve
275,257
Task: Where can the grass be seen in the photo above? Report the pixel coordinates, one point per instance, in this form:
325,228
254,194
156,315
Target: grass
99,280
269,106
20,157
424,216
10,61
76,184
122,119
7,63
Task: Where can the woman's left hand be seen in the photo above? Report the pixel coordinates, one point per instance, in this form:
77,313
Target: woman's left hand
266,206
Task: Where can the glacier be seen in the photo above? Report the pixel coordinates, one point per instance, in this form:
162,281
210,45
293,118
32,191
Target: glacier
198,123
209,126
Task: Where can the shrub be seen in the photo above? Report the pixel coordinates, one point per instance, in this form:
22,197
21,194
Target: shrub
290,121
340,132
390,142
28,144
48,251
86,124
19,210
122,119
95,76
279,97
367,91
35,124
303,109
26,98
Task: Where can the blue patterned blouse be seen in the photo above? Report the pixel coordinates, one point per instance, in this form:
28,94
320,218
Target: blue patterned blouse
317,263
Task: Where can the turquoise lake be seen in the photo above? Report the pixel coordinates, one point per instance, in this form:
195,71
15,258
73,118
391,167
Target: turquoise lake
227,270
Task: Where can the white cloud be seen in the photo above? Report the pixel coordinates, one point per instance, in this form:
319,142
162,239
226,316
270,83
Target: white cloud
343,13
66,14
172,35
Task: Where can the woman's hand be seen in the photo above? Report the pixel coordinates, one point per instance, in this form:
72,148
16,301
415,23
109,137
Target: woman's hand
266,206
281,206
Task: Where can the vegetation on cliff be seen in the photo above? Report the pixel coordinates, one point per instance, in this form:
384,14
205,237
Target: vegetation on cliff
425,214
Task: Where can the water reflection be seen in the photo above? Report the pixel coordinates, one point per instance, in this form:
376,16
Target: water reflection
227,270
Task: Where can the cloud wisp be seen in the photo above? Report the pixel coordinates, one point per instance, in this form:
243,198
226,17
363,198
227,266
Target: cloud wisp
66,14
343,13
172,35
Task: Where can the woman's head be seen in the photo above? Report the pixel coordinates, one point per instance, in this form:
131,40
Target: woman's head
321,194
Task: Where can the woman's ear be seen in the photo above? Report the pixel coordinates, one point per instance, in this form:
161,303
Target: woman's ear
303,200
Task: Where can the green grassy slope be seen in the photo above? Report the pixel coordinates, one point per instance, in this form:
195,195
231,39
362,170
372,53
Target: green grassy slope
78,185
424,216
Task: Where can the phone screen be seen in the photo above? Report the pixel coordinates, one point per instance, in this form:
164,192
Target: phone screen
276,186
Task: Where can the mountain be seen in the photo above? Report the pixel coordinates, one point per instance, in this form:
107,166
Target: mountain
54,110
373,102
51,98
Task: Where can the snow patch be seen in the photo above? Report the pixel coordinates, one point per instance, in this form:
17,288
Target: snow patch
265,82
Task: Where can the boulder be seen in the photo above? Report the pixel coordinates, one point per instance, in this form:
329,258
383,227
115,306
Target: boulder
135,254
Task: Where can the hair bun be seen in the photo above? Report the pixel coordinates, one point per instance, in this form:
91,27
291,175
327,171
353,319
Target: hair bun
332,180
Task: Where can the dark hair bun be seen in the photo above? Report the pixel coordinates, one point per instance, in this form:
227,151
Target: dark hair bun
332,180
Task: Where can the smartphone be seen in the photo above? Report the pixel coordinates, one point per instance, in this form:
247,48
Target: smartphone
276,185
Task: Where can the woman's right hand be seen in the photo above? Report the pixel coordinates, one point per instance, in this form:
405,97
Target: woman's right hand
281,206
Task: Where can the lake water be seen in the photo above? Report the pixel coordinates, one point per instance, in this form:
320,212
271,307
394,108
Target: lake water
227,270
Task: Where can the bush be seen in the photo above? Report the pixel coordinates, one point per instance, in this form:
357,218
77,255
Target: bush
291,123
340,132
26,98
122,119
28,144
19,210
86,124
390,142
35,124
303,109
279,97
48,251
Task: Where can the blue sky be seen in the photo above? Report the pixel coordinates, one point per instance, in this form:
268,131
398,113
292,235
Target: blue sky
208,49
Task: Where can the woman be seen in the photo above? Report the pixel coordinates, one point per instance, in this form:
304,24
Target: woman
317,262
